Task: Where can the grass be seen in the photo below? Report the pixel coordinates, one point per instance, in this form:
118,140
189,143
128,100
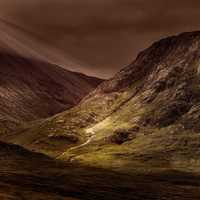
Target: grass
27,175
151,150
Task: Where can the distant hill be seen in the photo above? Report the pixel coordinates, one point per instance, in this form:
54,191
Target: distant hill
31,89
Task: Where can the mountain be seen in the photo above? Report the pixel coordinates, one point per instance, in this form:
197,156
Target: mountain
31,89
25,175
143,119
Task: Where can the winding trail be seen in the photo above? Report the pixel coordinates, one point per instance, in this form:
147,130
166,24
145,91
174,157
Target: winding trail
90,139
85,143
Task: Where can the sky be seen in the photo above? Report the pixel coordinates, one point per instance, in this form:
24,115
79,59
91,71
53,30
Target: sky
103,35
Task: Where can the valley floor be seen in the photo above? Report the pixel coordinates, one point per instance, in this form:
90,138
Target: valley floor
25,175
61,182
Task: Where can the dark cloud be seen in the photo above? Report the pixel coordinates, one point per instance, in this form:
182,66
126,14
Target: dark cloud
105,35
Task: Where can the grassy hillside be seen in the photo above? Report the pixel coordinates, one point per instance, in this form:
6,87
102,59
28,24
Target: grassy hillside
28,175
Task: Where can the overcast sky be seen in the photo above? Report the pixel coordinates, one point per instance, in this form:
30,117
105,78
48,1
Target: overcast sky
104,35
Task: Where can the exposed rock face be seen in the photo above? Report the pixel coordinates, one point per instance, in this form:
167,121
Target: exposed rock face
163,59
121,136
164,78
31,89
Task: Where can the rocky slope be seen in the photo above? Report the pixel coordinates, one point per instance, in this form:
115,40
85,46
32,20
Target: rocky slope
32,89
145,118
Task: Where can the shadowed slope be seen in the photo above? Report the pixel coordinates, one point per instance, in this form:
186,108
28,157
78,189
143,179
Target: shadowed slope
32,89
28,175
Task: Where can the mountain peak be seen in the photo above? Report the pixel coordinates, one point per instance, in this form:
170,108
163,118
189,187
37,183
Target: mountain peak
173,50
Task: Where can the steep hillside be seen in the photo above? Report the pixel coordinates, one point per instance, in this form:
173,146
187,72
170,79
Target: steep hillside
32,89
27,175
146,117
